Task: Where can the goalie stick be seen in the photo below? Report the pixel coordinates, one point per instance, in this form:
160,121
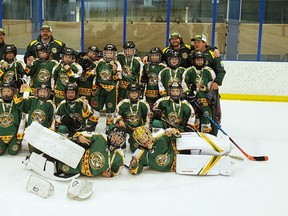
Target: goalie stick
253,158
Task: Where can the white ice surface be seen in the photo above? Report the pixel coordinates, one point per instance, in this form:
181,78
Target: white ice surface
254,188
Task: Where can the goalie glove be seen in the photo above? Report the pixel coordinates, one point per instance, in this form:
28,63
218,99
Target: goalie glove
71,122
39,186
79,189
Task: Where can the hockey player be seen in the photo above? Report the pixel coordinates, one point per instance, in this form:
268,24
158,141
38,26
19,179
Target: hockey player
171,73
11,70
88,63
67,71
41,70
198,79
39,107
72,112
93,155
103,155
10,118
107,76
149,78
175,111
132,113
131,68
161,153
215,62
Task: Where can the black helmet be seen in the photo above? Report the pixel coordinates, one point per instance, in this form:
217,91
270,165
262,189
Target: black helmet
155,51
42,47
171,54
10,85
133,87
93,49
198,55
9,48
41,87
109,47
68,51
129,45
121,133
175,84
72,86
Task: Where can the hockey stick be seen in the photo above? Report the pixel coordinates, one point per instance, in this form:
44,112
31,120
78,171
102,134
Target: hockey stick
253,158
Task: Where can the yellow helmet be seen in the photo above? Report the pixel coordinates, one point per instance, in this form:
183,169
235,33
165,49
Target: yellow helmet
144,137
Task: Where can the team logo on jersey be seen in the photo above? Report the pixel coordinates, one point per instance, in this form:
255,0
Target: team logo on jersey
109,105
133,118
77,117
8,76
54,50
185,55
153,79
105,75
174,118
126,71
96,160
64,79
38,116
6,119
43,75
163,159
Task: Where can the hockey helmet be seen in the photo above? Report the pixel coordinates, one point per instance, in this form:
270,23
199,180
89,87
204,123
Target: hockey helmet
10,48
175,90
143,137
198,64
109,53
129,49
155,55
117,137
133,87
173,59
71,87
8,96
68,51
43,95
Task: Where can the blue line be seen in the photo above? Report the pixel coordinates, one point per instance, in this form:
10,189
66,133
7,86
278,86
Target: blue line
260,29
214,22
168,22
40,14
1,14
125,21
82,25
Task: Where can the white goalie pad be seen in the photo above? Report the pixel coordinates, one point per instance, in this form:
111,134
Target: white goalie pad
203,165
44,167
39,186
79,189
204,144
53,144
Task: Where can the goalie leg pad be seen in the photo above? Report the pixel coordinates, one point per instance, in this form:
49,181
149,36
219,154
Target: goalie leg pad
203,165
45,168
206,143
39,186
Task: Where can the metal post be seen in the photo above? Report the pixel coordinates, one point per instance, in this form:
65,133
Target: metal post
125,22
214,20
168,22
260,29
82,25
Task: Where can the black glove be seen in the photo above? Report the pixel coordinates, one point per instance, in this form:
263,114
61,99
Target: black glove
210,97
71,123
144,78
157,114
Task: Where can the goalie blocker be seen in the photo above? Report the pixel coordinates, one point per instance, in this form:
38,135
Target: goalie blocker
207,154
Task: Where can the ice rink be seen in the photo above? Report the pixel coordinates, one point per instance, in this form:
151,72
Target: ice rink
254,188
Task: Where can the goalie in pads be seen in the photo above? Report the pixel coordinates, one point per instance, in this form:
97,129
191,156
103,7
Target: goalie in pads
187,153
